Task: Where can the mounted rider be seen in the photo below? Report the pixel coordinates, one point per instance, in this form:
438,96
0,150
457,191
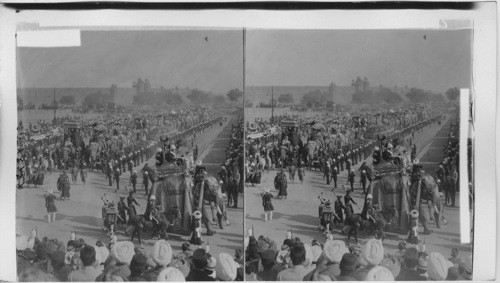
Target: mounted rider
368,209
151,210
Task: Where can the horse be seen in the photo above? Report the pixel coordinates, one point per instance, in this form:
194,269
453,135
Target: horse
382,219
164,221
354,221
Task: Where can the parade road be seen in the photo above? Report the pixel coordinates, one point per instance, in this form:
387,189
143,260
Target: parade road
299,212
82,213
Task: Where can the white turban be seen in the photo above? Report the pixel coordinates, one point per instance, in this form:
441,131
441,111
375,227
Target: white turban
123,252
309,256
437,266
468,268
171,274
373,252
333,250
104,253
316,250
379,273
98,257
161,253
226,267
21,242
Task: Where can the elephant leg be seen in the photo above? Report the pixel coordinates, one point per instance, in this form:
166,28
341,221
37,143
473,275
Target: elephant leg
423,220
356,234
437,216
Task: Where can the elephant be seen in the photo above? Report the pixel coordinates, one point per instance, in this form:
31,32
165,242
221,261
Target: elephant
206,188
400,190
428,192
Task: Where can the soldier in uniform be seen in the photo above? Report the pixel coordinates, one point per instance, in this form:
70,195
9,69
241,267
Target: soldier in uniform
348,162
117,178
233,192
134,157
377,157
341,161
124,163
130,164
145,180
122,208
150,209
268,205
363,180
348,202
339,208
327,173
334,176
368,208
133,180
131,202
350,178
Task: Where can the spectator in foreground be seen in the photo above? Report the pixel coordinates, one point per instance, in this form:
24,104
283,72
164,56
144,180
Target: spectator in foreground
379,273
226,267
161,255
297,271
137,267
329,262
347,267
89,272
171,274
409,272
437,266
372,254
199,262
121,254
271,269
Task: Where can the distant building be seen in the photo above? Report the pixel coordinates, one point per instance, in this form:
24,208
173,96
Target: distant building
331,91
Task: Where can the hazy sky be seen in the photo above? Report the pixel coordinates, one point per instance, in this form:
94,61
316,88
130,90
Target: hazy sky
398,57
274,57
167,58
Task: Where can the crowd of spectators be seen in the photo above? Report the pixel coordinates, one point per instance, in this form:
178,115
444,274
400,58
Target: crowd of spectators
93,143
51,260
334,261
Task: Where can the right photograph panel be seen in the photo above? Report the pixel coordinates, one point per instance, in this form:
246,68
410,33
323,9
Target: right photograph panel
352,155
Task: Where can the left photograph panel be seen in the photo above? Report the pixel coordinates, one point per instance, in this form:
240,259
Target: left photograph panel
130,155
